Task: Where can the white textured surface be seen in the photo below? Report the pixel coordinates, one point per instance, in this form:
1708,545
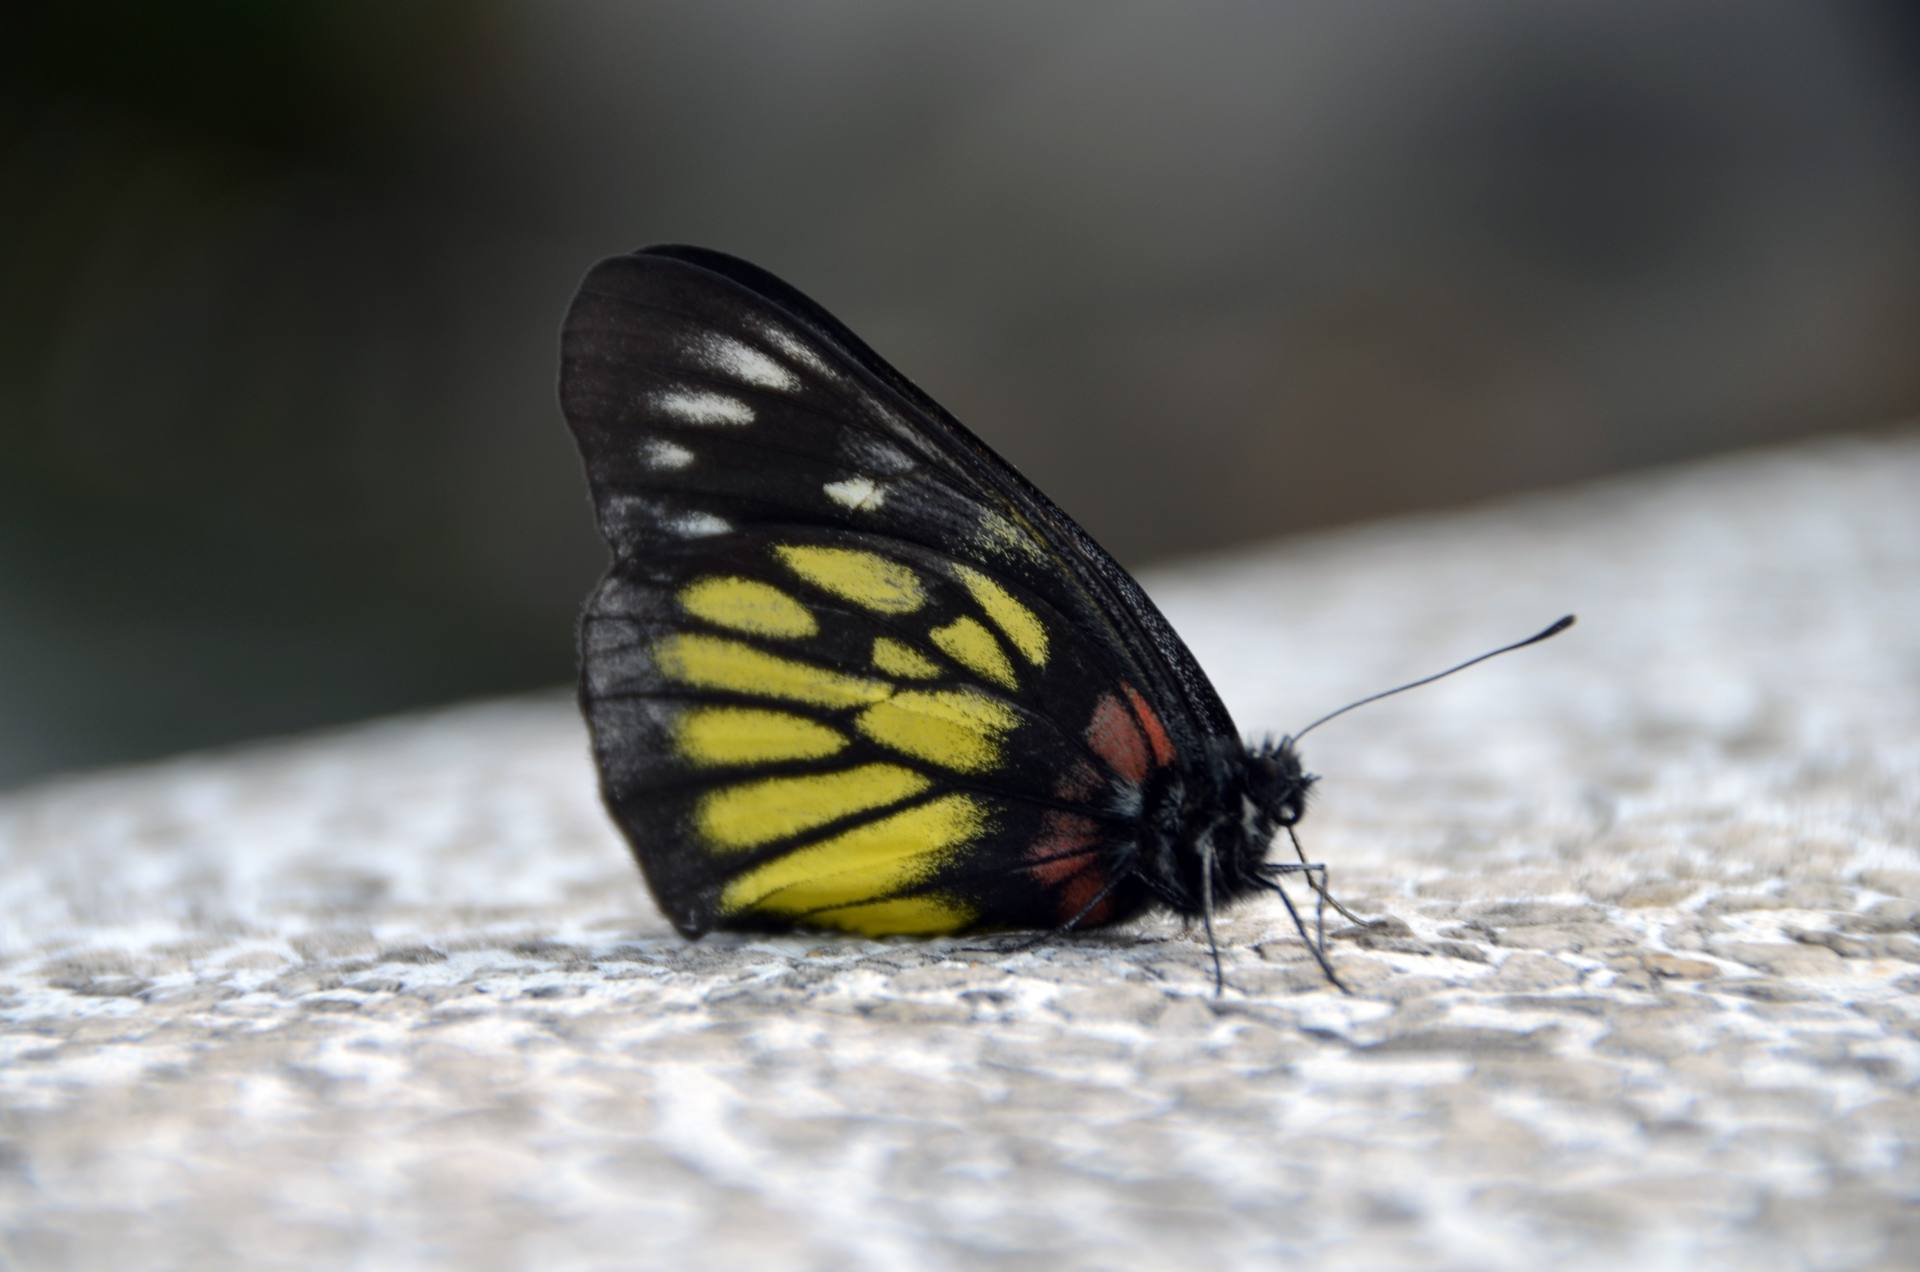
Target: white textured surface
395,994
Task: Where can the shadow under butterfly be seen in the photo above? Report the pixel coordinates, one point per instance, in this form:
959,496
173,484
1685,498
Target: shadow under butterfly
848,669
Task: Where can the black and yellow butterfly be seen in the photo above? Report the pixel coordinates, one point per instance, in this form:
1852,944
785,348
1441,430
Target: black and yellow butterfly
848,669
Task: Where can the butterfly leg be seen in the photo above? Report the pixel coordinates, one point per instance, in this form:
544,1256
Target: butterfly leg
1319,901
1326,897
1068,926
1318,948
1319,906
1206,917
1273,869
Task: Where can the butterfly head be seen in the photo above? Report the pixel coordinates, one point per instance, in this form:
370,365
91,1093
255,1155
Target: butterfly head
1276,784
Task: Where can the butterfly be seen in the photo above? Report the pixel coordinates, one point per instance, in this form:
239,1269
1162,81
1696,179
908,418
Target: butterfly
849,670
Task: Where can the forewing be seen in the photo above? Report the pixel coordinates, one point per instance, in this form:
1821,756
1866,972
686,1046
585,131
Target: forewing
705,392
847,667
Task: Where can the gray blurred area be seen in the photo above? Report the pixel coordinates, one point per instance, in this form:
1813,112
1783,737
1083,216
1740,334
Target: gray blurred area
281,285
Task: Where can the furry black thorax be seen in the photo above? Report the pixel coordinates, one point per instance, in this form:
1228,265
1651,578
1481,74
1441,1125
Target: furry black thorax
1205,829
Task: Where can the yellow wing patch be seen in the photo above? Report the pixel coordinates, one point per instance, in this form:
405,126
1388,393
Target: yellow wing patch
744,735
899,916
858,865
898,658
998,535
1015,621
714,662
968,642
867,579
960,729
759,609
749,814
850,879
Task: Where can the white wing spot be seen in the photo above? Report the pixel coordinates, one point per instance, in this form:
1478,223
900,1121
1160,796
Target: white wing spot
704,408
856,493
698,525
795,349
745,363
877,454
664,454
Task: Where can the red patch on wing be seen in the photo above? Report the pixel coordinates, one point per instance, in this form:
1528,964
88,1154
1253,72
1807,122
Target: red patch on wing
1156,731
1065,858
1079,784
1077,893
1116,739
1130,740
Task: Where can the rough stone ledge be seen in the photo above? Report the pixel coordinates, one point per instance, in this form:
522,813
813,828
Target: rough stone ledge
1649,988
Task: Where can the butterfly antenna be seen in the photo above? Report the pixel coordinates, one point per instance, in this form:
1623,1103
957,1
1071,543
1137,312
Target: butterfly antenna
1534,639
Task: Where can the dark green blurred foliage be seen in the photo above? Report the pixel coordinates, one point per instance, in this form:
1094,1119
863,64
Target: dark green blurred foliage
281,284
231,390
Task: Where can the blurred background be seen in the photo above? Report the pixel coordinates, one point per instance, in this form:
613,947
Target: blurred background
280,285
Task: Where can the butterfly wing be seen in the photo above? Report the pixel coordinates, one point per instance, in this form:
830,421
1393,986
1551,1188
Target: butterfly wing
847,667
